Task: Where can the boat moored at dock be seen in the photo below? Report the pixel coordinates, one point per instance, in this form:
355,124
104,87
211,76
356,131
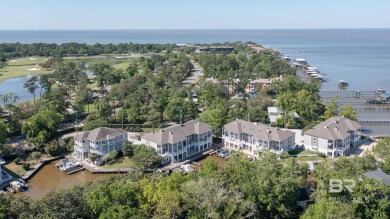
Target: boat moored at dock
343,83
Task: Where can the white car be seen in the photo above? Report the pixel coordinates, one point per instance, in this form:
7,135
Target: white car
2,161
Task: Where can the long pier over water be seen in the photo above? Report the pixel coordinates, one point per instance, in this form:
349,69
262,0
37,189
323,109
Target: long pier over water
346,93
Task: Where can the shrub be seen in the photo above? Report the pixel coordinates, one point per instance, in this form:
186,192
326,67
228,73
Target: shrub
322,155
17,160
55,148
26,166
111,157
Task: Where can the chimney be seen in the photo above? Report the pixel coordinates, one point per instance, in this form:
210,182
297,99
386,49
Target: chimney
336,129
236,120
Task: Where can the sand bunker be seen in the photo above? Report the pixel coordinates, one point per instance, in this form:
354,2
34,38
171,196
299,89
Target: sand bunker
32,58
33,69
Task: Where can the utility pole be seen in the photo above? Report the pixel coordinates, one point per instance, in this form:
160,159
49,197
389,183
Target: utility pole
181,117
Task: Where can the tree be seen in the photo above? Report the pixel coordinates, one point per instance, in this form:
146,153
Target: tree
9,99
45,83
127,148
31,85
331,107
3,132
145,157
93,157
215,117
103,108
348,111
96,123
36,155
382,151
41,128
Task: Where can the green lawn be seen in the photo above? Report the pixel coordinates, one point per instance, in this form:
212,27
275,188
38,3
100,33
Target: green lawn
23,66
315,158
121,163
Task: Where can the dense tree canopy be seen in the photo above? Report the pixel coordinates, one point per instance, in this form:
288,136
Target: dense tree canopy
41,128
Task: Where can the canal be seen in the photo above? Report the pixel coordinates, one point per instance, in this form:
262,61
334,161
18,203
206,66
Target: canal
50,177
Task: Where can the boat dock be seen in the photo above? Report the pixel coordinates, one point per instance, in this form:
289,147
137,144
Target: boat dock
191,159
76,170
98,170
374,122
350,94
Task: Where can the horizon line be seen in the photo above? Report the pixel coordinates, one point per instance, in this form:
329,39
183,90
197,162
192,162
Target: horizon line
161,29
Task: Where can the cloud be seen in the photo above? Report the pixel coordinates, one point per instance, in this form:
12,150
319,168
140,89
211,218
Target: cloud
80,11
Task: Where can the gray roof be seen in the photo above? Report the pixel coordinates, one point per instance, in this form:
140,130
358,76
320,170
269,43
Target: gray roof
378,175
102,133
258,130
334,128
177,133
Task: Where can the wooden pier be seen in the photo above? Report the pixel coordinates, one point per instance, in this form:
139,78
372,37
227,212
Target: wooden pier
76,170
329,94
374,122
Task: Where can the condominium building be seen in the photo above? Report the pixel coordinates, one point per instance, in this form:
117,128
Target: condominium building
178,142
333,137
100,141
253,137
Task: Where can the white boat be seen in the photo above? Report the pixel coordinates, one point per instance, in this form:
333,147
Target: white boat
187,168
19,185
62,162
343,83
223,153
69,166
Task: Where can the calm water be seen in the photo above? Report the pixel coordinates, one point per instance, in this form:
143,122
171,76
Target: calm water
50,177
16,85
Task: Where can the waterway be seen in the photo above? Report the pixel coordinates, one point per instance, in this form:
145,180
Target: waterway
16,85
50,177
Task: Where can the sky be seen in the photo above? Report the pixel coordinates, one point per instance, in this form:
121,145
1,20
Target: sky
193,14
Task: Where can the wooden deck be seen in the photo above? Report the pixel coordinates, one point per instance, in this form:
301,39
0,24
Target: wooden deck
37,167
190,159
96,169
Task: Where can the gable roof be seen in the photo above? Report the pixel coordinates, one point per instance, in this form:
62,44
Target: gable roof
334,128
177,133
378,175
258,130
102,133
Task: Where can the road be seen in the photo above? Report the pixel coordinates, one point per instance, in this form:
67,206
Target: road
196,73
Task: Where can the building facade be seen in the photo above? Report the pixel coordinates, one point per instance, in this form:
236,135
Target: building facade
178,142
100,141
252,138
333,137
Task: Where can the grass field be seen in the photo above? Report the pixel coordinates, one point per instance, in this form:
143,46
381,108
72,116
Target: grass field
20,68
121,163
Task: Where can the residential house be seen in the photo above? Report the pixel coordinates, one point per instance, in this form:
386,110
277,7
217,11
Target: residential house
333,137
253,137
100,141
252,85
378,175
275,113
180,141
